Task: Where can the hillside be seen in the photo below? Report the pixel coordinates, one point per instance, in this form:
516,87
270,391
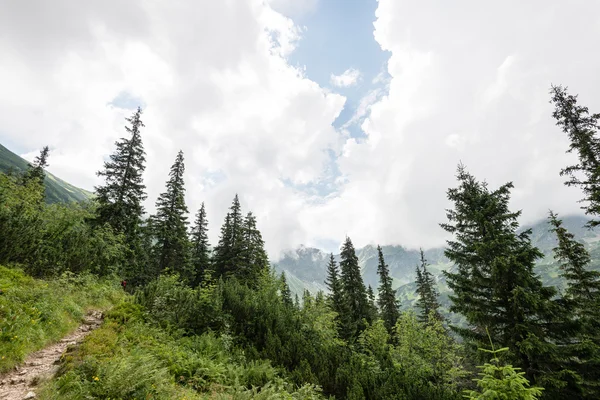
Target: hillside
305,268
57,190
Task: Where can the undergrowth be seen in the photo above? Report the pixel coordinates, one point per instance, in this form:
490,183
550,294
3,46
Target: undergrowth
127,358
34,313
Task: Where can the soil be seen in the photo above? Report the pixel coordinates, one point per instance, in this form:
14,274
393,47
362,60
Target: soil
21,383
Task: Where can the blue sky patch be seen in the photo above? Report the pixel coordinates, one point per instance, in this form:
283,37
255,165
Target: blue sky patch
127,101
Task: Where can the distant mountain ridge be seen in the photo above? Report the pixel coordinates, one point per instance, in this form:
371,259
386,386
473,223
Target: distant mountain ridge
305,267
57,190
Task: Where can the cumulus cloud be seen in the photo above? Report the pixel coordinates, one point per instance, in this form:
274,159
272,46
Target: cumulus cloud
468,83
215,82
347,78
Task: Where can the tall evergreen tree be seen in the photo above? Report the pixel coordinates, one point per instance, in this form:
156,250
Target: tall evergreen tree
388,303
228,254
200,257
581,127
494,284
427,293
373,311
36,171
335,298
286,293
120,197
581,309
255,261
169,224
356,303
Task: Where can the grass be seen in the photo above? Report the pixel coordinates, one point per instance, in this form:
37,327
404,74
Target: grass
35,313
127,358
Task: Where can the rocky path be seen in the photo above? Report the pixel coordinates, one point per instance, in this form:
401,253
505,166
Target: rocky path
21,382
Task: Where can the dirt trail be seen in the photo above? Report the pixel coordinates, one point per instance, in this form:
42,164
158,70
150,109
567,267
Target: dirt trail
21,383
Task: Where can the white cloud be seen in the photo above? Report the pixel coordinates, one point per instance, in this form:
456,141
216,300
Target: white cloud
214,79
348,78
467,83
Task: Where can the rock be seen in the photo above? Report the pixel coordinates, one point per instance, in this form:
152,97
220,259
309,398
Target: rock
29,395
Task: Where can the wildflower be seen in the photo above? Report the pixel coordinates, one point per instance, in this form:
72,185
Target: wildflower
96,378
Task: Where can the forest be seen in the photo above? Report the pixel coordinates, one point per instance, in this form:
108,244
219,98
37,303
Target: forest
213,320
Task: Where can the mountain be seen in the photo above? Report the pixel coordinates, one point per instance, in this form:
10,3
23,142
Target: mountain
57,190
305,267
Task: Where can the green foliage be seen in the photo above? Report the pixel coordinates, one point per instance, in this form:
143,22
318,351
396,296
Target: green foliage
56,190
426,291
427,352
169,226
356,308
502,382
200,257
34,313
127,358
51,239
120,197
494,284
581,129
388,304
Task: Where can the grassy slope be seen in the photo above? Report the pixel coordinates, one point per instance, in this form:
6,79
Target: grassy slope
57,190
129,358
34,313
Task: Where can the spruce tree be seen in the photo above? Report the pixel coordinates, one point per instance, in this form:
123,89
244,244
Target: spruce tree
255,261
356,303
373,312
286,293
169,224
335,297
581,303
36,173
229,252
494,284
200,257
427,293
581,127
388,304
121,196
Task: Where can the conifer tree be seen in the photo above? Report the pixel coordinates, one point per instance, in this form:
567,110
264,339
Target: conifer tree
36,171
169,224
335,298
581,309
427,293
229,252
494,284
581,127
200,257
286,293
121,196
388,304
356,303
254,257
373,312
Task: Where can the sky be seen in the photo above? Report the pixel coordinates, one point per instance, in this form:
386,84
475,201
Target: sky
328,117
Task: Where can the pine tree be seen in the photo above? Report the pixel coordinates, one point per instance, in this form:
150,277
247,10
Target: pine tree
120,198
581,128
581,312
494,284
373,312
388,303
36,171
335,298
286,293
356,303
427,293
228,254
169,224
200,257
255,261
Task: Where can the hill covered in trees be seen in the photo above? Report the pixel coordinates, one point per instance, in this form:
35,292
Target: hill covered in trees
56,190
